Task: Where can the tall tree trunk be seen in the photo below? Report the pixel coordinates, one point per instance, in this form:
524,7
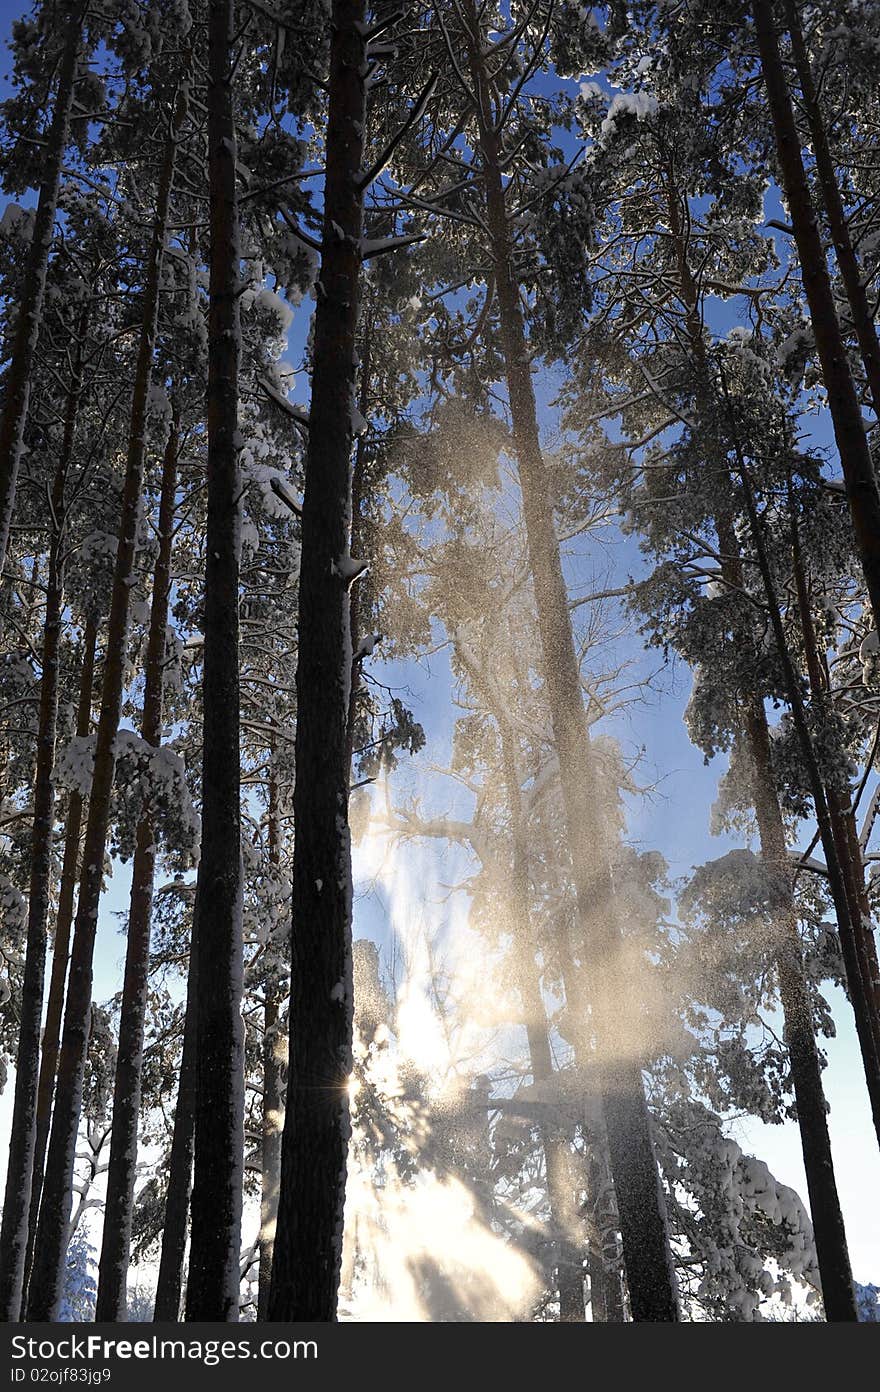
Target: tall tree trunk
61,946
52,1227
308,1245
847,908
849,929
358,493
16,1205
273,1123
864,990
169,1282
122,1165
16,383
646,1251
274,1062
850,272
799,1029
212,1291
863,493
828,1227
22,1144
564,1218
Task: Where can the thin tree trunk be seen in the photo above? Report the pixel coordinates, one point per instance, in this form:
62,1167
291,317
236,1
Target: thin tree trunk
22,1144
850,272
213,1284
169,1282
848,929
308,1246
16,1205
50,1245
799,1033
61,946
646,1251
850,853
828,1227
16,383
274,1061
863,493
863,990
273,1123
122,1165
849,922
564,1218
357,504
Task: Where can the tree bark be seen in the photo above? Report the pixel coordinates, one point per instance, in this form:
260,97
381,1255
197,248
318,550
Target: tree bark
61,946
646,1251
122,1165
847,261
16,383
274,1060
357,505
308,1246
848,913
863,493
273,1114
849,929
828,1227
213,1283
22,1144
16,1205
169,1282
51,1239
862,953
799,1032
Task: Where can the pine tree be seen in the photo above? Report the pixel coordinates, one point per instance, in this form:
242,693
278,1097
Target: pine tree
49,1244
308,1243
17,382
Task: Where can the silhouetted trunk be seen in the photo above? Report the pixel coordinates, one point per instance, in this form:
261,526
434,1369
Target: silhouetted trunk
274,1063
860,479
850,272
61,946
116,1233
212,1291
273,1124
16,383
848,914
52,1228
358,498
16,1205
850,853
169,1282
799,1027
22,1142
308,1244
863,989
828,1228
646,1252
849,929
